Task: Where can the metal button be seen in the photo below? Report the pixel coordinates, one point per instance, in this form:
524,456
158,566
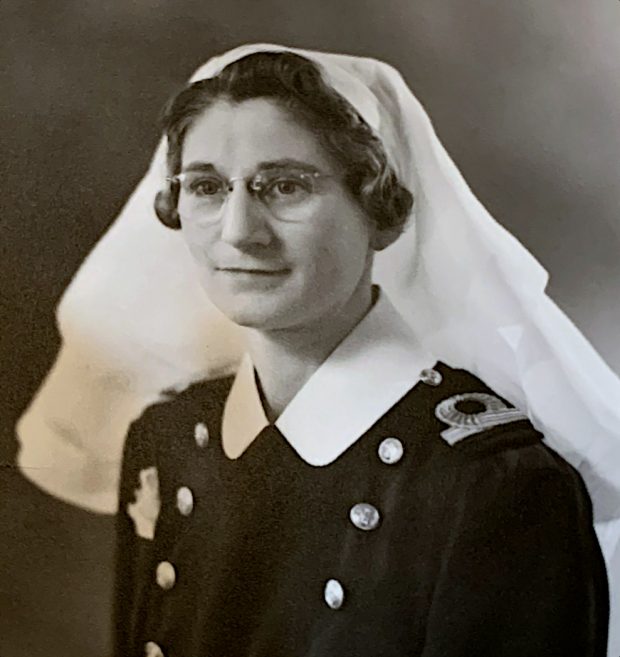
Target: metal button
333,594
391,451
151,649
201,434
364,516
431,377
165,575
185,501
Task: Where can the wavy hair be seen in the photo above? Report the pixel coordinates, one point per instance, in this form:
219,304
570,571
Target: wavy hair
297,85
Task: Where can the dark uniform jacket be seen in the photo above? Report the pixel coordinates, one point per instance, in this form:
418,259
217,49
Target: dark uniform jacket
447,528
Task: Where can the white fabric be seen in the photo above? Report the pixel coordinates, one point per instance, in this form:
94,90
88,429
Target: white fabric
368,372
133,320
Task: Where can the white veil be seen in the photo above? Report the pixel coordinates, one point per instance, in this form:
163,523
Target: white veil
135,321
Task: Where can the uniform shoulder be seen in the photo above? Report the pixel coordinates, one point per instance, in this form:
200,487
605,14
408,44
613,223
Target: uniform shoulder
205,397
474,419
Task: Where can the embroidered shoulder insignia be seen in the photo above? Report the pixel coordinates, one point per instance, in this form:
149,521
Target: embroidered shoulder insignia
473,412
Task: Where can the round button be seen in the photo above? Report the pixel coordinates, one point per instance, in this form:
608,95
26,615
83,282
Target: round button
165,575
151,649
201,434
185,501
333,594
431,377
391,451
364,516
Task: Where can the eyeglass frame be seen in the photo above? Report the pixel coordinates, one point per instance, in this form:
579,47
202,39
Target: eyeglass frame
249,180
253,185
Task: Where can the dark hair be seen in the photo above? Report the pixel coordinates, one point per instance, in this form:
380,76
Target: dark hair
296,83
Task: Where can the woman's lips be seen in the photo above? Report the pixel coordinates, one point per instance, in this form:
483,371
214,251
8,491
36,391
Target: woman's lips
253,272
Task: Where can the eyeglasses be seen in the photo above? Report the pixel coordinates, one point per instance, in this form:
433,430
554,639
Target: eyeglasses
289,194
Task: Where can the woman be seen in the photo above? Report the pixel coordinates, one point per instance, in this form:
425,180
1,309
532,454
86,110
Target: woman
346,492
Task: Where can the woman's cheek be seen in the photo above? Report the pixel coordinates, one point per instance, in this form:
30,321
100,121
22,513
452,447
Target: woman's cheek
198,244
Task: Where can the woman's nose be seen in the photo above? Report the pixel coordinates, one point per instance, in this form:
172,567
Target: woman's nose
243,220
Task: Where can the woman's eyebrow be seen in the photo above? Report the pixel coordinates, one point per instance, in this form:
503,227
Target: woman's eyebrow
283,163
199,166
287,163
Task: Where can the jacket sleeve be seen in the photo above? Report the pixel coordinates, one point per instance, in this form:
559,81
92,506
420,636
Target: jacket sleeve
135,525
522,574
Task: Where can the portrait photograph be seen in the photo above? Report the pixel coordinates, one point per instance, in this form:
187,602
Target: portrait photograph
310,329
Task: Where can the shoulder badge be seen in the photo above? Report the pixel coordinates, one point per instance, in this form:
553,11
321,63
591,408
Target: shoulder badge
473,412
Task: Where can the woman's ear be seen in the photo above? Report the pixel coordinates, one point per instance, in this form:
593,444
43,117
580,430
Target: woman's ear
166,206
381,238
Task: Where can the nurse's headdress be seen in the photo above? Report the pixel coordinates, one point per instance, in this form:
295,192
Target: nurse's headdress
134,320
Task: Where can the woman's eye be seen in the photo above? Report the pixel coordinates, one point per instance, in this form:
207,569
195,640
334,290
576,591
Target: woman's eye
205,187
283,187
287,187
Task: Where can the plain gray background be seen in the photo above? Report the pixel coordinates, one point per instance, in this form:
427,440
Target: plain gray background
525,95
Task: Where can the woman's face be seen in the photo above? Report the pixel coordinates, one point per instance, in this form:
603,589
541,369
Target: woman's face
289,255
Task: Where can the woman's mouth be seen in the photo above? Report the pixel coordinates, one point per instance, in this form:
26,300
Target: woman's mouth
243,271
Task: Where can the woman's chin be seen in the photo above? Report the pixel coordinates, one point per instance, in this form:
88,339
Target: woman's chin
261,312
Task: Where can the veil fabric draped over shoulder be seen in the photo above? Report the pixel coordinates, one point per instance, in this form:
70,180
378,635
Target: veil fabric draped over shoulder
134,320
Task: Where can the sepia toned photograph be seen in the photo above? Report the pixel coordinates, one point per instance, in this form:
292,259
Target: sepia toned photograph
310,329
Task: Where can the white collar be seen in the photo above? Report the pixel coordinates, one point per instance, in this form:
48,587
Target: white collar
371,369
